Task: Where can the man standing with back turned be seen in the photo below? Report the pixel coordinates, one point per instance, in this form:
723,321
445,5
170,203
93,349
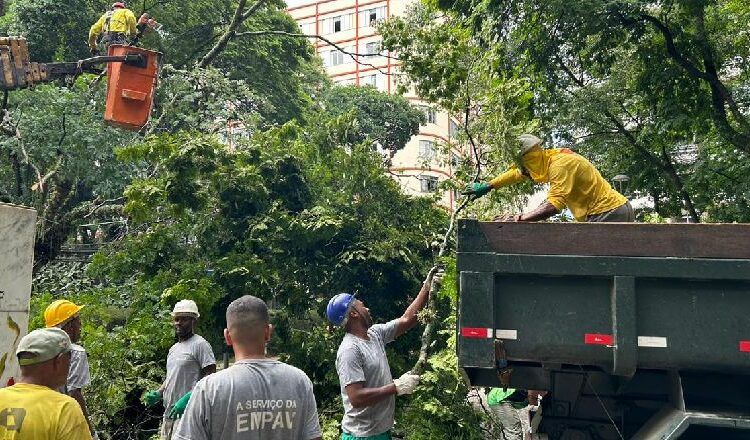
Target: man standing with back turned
190,359
32,409
257,398
367,388
65,315
115,27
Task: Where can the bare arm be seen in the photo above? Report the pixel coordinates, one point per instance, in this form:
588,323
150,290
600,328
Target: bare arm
360,397
544,211
409,319
78,396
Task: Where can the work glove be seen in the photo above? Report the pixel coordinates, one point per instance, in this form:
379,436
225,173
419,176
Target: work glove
178,409
151,398
406,383
477,190
437,279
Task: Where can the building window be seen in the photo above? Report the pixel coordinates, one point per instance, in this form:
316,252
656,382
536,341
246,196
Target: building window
426,149
453,129
372,48
307,28
336,57
428,184
455,160
369,17
369,80
429,113
337,24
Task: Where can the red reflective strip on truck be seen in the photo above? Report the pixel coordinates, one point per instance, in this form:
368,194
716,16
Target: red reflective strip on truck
745,346
598,339
475,332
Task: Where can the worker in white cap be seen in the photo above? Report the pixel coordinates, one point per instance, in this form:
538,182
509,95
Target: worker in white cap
574,183
32,409
190,359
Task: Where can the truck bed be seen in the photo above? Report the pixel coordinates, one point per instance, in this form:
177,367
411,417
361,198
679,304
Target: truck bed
613,296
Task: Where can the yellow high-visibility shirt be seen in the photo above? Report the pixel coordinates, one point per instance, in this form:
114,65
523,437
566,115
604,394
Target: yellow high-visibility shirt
32,412
574,182
122,20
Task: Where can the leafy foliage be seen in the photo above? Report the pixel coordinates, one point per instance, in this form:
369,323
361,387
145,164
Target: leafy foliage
291,229
389,120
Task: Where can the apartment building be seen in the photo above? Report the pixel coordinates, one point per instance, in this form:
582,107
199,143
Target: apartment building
349,24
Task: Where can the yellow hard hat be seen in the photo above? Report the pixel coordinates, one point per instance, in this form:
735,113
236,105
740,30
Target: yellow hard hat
60,311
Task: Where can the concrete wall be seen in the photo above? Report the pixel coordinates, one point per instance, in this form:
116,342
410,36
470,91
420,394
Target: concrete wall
17,228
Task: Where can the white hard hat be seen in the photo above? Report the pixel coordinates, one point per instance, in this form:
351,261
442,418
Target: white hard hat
186,306
528,141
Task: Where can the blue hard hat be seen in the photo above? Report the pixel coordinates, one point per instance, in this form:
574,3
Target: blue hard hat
338,308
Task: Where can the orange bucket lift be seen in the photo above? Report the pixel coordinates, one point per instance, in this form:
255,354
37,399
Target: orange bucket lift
132,74
131,87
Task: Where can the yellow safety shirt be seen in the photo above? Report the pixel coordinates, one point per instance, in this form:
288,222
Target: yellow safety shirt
122,20
34,412
574,182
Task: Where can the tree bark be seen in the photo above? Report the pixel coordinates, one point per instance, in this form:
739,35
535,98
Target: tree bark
59,220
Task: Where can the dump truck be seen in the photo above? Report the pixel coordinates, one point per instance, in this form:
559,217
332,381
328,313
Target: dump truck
636,331
17,228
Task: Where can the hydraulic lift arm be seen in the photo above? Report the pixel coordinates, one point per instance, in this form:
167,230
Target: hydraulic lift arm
18,72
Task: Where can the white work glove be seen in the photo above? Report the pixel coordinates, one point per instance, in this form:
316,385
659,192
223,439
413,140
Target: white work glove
437,279
406,383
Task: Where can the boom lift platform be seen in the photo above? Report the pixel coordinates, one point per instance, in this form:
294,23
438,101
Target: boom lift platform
132,75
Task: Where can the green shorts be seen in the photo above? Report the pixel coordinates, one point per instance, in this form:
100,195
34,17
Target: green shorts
384,436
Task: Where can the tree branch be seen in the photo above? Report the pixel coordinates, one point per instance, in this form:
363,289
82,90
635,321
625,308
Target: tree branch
353,55
675,53
720,95
105,202
239,16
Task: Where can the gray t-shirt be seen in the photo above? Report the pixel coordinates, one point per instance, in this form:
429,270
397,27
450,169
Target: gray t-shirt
360,360
79,375
252,400
185,361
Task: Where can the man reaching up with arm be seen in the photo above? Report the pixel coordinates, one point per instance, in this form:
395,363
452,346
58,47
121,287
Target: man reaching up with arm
367,388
